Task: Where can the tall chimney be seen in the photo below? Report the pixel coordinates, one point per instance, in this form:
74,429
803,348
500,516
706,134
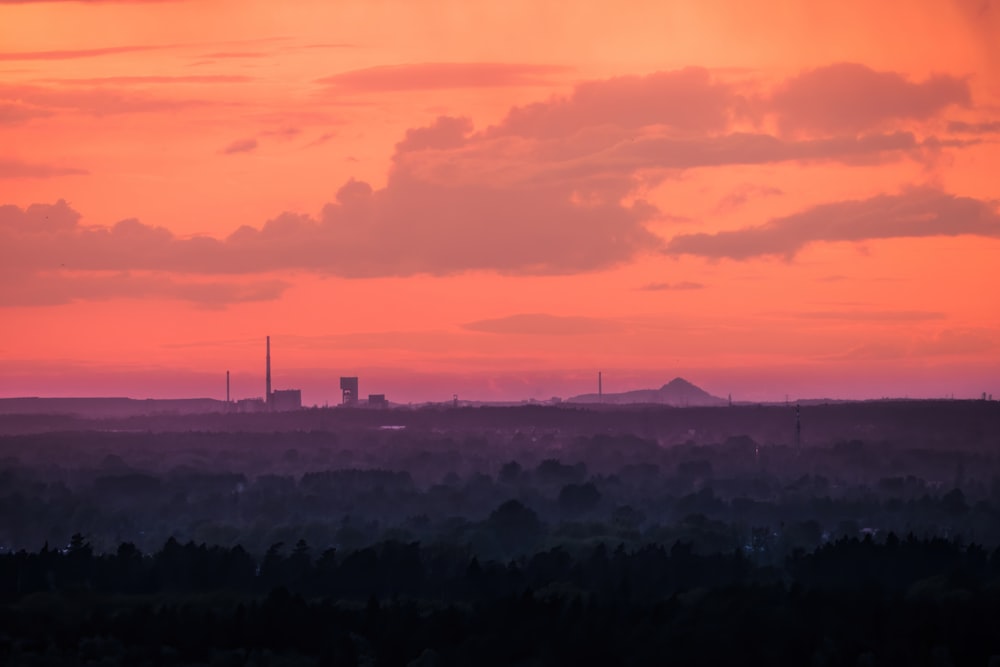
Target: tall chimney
227,387
600,389
267,389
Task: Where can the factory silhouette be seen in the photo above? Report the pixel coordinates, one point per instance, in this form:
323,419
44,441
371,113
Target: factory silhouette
284,400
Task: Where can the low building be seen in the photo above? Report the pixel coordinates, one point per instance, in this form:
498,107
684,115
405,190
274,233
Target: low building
251,405
283,400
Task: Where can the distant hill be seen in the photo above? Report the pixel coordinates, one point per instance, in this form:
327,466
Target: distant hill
678,392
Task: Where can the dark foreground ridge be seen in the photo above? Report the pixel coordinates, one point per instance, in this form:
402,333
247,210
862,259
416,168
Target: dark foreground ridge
898,602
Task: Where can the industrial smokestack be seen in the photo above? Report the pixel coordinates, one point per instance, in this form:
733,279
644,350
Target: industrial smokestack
267,388
600,389
227,387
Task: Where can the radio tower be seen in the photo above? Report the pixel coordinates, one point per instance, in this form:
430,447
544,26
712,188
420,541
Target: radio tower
267,380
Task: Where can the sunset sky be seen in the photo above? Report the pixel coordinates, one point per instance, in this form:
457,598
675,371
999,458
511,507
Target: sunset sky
500,199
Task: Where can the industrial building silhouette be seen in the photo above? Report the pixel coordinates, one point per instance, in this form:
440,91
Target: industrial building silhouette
284,400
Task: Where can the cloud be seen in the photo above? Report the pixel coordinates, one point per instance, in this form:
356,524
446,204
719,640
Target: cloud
86,2
664,287
236,54
321,139
240,146
97,101
873,315
961,127
283,133
13,112
436,76
688,100
60,287
446,133
742,194
72,54
849,97
18,169
406,228
919,212
55,271
153,79
969,342
742,148
540,324
550,189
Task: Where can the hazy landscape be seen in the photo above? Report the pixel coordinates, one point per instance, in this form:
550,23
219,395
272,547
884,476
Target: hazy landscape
432,535
517,333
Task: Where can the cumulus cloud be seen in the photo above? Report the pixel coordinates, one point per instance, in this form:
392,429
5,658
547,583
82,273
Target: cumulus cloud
686,100
919,212
741,148
550,189
406,228
431,76
541,324
849,97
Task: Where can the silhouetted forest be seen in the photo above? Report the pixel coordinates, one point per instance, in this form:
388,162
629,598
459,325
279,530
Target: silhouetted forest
477,536
907,602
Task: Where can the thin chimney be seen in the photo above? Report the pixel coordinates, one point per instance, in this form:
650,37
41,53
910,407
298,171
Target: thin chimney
600,388
267,389
227,387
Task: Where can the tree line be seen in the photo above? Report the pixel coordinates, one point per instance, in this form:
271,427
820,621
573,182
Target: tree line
853,601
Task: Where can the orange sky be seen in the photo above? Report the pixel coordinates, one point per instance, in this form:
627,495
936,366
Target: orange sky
499,199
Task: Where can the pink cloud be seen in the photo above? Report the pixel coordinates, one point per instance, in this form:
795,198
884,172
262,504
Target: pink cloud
686,100
919,212
671,287
70,54
153,79
59,287
18,169
430,76
446,133
986,127
13,112
849,97
742,194
240,146
903,316
542,192
98,100
236,54
747,148
542,324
